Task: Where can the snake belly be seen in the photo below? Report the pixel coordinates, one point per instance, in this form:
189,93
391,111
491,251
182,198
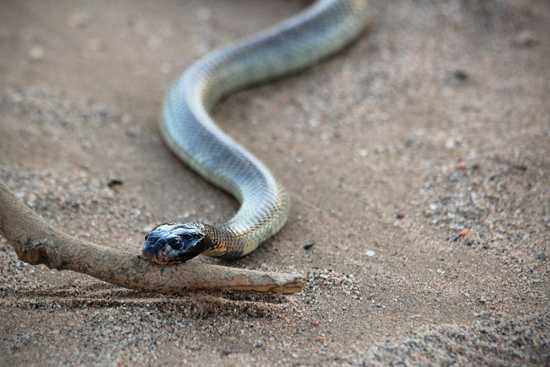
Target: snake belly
191,133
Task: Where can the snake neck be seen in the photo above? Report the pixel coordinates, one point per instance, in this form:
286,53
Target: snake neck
222,241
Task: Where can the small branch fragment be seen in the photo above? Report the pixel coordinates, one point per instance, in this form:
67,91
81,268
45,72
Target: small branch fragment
36,242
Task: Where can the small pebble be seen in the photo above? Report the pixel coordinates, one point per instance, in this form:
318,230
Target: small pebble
452,143
525,39
460,75
115,182
454,237
308,245
370,253
258,344
36,52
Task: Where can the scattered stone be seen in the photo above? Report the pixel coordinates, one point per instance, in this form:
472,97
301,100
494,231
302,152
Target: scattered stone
226,352
309,245
460,75
460,235
525,39
371,253
541,256
258,344
452,143
114,182
482,207
36,52
320,339
328,278
491,340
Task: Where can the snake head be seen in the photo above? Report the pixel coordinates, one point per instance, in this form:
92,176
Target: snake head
174,243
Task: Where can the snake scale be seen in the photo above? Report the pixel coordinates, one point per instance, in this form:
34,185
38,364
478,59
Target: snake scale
190,132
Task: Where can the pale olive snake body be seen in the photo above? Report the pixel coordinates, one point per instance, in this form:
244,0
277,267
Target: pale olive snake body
189,130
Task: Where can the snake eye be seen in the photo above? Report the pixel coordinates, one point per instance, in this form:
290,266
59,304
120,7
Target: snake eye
174,243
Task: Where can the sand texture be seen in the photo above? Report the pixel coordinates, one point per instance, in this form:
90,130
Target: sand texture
418,163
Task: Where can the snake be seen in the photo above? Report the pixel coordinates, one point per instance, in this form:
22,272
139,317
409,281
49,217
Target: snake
188,129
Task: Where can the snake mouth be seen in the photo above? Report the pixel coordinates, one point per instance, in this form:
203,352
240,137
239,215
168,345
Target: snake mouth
158,258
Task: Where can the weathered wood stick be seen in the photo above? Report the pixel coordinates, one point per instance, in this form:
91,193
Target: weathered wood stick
36,242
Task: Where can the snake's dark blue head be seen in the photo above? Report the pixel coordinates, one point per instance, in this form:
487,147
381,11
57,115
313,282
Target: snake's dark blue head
174,243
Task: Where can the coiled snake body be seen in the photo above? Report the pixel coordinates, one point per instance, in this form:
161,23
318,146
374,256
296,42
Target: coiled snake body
320,30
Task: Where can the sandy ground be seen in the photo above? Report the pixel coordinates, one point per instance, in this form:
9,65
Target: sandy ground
417,161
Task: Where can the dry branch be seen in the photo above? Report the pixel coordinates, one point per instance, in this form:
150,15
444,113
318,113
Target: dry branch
36,242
